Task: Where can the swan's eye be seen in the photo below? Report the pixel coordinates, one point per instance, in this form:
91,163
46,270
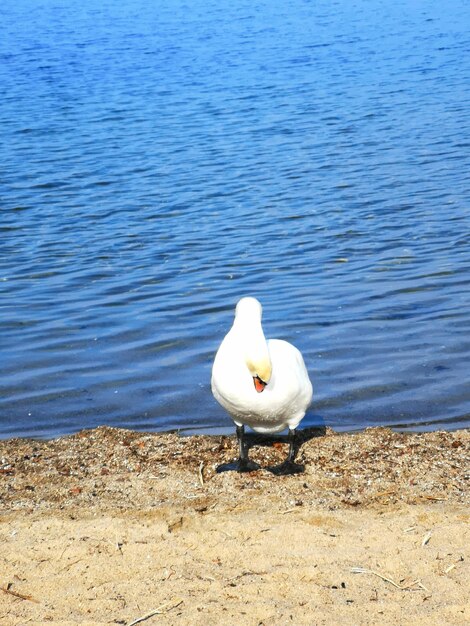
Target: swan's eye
259,384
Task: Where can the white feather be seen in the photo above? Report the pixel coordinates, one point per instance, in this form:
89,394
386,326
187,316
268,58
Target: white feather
288,392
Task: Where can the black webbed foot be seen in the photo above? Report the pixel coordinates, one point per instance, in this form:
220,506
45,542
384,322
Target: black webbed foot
286,468
242,465
289,466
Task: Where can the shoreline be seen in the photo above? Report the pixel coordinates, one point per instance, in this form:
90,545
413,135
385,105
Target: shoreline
108,525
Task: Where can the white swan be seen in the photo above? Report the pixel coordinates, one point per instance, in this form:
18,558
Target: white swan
261,383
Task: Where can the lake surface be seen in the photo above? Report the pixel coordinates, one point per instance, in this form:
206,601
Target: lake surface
162,159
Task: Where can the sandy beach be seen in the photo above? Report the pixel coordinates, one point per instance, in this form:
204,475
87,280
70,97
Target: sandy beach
111,526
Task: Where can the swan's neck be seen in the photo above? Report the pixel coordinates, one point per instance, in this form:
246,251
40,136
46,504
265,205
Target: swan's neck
249,335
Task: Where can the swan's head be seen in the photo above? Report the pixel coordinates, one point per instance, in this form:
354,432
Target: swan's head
248,320
249,308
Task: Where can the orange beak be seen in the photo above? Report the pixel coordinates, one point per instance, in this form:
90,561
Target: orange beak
259,384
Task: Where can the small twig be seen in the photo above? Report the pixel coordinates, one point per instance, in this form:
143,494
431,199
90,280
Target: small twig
175,525
426,538
289,511
201,477
452,566
70,565
63,552
18,595
157,611
388,492
363,570
413,584
246,573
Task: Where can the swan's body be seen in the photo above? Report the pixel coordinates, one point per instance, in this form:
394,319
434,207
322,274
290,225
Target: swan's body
261,383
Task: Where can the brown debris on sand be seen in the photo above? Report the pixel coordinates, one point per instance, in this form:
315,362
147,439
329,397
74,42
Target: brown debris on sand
110,526
118,468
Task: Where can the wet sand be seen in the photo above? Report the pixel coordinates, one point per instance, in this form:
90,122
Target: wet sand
109,526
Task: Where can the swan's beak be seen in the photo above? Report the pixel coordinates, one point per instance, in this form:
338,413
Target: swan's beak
259,384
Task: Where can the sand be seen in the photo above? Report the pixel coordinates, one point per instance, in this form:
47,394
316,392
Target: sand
110,526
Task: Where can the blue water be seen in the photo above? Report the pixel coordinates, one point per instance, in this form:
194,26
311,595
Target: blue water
161,159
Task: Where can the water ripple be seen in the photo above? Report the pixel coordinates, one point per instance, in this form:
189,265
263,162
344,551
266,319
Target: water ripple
162,161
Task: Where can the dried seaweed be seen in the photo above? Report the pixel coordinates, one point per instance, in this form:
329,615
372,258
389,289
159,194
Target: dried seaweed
118,468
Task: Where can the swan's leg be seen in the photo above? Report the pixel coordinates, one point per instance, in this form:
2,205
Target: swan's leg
289,466
292,448
243,464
